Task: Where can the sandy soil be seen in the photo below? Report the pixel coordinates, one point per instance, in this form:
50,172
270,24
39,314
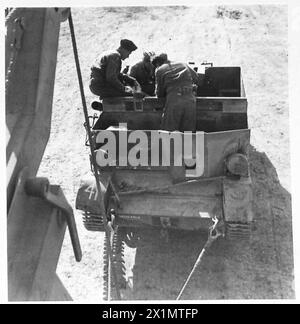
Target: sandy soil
253,37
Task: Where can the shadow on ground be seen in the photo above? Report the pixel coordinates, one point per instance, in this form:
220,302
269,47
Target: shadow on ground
259,269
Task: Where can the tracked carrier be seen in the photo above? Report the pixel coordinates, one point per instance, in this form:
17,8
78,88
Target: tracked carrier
214,183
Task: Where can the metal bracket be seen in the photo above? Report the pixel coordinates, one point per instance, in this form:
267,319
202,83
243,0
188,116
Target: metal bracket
15,46
138,101
138,105
18,32
40,187
63,12
216,230
207,63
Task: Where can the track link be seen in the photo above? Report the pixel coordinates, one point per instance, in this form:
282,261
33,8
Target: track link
118,264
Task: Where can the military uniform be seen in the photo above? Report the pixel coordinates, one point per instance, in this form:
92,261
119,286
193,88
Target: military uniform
144,74
174,81
106,77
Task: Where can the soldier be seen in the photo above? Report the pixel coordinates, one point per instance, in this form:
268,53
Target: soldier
175,82
143,72
106,78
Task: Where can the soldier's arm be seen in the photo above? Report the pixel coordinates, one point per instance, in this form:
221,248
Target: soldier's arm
194,75
133,71
129,80
132,78
113,71
159,86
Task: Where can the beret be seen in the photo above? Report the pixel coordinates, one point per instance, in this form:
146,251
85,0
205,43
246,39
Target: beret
128,45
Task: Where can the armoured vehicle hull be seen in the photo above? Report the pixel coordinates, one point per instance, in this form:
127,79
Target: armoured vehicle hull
184,196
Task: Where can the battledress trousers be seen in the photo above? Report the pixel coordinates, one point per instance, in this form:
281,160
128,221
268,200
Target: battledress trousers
174,82
179,111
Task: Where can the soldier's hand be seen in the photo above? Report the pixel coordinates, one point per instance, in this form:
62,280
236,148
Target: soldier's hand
137,87
125,71
128,90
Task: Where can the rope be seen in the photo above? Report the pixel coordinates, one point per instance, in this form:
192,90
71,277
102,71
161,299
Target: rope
206,246
214,233
93,155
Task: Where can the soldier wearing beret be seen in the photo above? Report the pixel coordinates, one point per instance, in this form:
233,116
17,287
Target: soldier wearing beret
106,79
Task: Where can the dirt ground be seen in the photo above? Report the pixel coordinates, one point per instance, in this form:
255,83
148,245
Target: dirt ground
253,37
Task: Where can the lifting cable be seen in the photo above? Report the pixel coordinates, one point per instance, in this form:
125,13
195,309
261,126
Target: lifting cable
93,156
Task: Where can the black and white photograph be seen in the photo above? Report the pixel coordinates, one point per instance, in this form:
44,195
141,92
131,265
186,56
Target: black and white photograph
150,149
